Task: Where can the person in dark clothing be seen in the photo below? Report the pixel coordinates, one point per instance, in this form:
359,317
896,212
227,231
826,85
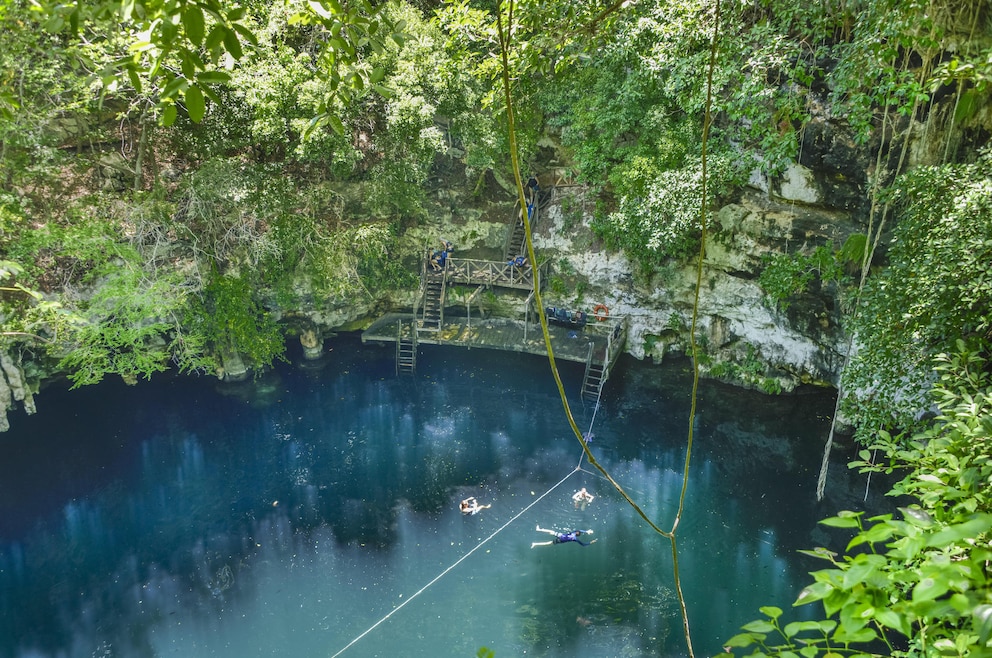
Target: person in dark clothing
563,537
533,187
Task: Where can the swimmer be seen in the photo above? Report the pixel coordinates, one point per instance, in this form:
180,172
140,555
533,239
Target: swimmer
582,498
563,537
472,506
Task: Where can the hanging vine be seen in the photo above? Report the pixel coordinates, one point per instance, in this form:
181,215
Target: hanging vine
505,33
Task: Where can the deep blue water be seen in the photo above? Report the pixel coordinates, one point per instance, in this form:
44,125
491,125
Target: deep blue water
286,516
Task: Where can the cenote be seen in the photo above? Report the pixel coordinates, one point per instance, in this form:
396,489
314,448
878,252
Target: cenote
286,516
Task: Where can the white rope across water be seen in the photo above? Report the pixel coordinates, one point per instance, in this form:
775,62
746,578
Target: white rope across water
457,562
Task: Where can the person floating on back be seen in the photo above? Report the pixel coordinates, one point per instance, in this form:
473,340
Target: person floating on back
563,537
582,498
472,506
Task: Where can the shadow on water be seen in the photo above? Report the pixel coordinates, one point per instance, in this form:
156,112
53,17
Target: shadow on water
284,516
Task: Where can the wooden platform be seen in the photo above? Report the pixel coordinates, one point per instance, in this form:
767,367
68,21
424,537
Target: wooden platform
502,334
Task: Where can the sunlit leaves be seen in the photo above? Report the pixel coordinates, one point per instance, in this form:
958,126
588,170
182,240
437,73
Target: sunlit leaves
936,289
179,47
921,582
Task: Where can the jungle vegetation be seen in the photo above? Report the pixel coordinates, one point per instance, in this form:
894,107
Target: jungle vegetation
178,177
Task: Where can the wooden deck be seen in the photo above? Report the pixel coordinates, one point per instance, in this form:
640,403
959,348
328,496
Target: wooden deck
502,334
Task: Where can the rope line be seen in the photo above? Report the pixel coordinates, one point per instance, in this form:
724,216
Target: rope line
455,564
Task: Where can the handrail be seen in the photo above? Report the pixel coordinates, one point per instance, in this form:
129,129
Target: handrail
490,272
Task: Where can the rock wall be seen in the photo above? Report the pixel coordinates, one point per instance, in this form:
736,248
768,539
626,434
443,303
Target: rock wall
736,323
13,389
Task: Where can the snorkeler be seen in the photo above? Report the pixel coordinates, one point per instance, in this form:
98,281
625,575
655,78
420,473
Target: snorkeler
472,506
563,537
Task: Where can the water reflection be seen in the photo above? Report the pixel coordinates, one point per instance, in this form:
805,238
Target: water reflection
286,516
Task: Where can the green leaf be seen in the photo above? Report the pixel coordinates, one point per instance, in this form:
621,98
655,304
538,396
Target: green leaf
956,533
169,115
232,44
335,123
247,34
194,24
917,517
982,617
215,37
175,85
771,611
929,589
743,640
820,553
840,522
814,592
195,105
759,626
213,77
891,619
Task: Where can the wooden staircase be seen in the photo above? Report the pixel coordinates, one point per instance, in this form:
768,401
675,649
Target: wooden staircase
406,348
517,244
516,241
433,312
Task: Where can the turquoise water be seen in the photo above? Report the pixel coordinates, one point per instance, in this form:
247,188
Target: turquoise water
287,516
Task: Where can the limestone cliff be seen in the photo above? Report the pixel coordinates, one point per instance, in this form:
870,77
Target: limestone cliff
13,389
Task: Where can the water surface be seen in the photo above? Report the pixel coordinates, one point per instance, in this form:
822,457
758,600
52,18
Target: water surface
287,516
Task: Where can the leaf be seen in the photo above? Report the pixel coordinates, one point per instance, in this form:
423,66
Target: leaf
336,124
743,640
892,619
195,105
794,628
929,589
771,611
194,24
248,35
232,44
982,616
917,517
840,522
759,626
319,9
175,85
215,37
169,115
968,530
213,77
814,592
820,553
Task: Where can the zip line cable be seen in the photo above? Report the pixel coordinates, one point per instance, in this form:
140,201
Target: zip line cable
455,564
504,44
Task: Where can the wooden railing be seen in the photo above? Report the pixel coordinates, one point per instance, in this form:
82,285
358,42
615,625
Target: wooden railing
491,273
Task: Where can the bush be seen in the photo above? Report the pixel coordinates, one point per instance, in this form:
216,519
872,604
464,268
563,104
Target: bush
918,584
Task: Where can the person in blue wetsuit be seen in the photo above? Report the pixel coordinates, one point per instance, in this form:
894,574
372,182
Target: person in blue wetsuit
563,537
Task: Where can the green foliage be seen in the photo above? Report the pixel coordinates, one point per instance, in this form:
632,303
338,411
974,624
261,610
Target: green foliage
663,222
126,328
378,265
936,289
786,276
917,584
230,317
184,50
747,369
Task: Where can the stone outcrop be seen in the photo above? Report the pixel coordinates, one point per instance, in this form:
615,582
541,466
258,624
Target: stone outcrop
13,389
312,342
